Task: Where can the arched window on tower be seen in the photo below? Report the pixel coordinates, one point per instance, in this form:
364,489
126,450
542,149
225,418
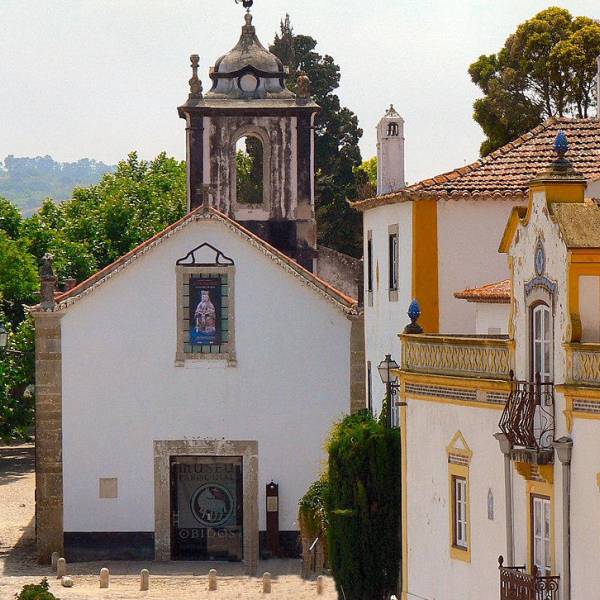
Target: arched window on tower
249,161
393,130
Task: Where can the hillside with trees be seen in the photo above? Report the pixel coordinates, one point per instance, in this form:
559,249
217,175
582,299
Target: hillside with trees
27,182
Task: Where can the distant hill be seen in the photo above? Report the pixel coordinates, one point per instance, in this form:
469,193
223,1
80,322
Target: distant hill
27,182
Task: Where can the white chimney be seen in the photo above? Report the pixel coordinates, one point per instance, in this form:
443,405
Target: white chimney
390,153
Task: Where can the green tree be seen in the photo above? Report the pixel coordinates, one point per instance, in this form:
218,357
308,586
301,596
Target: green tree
546,68
337,135
363,508
366,178
249,173
18,277
17,400
10,218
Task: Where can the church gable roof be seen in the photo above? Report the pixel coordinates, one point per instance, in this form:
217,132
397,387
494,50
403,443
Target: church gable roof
506,173
341,300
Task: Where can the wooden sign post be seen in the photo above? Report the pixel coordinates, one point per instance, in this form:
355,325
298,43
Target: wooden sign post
272,497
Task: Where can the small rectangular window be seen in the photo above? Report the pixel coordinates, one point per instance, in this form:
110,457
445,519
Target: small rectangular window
459,503
369,264
369,388
393,261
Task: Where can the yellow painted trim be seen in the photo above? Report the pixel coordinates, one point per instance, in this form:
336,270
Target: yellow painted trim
457,553
598,480
486,385
537,488
404,495
571,394
573,191
452,448
581,262
516,217
489,385
425,286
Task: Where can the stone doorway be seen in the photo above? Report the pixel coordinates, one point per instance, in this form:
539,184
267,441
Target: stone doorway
172,457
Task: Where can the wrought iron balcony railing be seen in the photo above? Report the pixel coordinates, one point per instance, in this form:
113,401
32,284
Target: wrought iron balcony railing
528,417
583,364
484,357
516,584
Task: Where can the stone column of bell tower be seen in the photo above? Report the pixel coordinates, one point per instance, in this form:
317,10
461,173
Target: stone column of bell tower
249,99
390,153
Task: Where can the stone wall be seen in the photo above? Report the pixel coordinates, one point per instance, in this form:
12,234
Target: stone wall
343,272
48,439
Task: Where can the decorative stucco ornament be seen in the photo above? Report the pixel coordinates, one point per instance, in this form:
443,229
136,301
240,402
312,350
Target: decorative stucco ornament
540,259
303,85
195,83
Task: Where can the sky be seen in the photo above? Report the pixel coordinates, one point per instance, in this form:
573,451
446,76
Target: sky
99,78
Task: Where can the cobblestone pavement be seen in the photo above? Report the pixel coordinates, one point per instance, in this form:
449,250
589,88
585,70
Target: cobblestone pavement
177,580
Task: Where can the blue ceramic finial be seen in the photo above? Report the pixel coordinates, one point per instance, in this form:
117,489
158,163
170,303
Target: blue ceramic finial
561,144
414,311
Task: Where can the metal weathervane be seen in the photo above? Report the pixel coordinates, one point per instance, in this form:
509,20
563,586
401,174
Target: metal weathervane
245,3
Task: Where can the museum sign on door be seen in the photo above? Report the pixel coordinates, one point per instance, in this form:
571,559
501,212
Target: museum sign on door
206,508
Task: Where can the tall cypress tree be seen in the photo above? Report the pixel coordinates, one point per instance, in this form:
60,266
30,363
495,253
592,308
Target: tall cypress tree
337,137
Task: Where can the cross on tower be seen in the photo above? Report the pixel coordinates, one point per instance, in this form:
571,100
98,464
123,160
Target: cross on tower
245,3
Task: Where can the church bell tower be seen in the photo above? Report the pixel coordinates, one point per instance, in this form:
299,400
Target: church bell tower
250,146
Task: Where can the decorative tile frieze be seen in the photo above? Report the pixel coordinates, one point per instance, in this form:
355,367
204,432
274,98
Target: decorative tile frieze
467,357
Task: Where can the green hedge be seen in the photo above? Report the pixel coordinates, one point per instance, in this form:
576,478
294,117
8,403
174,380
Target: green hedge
363,508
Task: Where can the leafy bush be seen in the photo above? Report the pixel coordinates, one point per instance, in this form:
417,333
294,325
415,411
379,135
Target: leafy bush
38,591
363,508
311,515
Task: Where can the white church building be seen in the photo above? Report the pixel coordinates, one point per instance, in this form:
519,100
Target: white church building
184,393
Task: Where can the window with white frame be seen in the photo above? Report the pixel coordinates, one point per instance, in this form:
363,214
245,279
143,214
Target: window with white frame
393,261
460,500
369,262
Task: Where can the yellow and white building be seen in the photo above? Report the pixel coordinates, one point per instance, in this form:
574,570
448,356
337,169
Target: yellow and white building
500,420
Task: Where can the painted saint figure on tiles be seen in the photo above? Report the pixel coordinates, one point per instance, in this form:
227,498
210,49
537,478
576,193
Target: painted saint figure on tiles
205,308
206,320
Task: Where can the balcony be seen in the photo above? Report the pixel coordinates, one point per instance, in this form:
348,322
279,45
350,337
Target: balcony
528,421
482,357
516,584
583,364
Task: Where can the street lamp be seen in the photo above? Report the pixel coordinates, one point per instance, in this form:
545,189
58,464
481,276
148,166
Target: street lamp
3,337
4,342
385,368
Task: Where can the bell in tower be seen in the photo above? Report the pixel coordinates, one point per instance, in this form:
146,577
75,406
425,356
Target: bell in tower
250,146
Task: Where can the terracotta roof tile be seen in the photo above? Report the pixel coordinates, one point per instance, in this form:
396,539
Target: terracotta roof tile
497,293
506,173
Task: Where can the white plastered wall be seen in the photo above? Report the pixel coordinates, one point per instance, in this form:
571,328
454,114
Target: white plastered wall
469,233
385,319
432,573
122,391
491,318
